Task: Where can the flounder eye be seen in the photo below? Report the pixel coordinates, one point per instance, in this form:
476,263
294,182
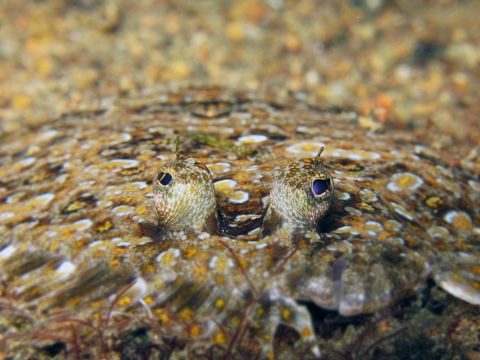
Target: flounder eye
320,186
164,178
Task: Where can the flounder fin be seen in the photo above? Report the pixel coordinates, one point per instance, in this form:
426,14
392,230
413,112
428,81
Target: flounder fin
459,275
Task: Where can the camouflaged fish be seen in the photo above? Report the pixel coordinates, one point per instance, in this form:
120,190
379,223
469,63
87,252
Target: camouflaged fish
248,218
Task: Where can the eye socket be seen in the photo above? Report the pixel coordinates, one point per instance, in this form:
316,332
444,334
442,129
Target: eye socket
320,186
164,178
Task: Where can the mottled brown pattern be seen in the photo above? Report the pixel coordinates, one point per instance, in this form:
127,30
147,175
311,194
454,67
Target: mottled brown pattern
79,225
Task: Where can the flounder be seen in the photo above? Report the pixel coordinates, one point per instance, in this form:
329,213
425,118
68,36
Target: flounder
242,224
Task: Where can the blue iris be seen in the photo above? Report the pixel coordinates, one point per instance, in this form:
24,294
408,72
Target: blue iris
165,178
320,186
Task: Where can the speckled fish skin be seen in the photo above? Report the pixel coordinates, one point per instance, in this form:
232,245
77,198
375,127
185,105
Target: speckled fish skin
187,199
79,221
293,201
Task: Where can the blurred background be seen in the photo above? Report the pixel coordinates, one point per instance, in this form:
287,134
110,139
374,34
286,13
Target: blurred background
399,63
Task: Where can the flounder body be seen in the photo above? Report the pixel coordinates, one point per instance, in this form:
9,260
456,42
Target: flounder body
86,235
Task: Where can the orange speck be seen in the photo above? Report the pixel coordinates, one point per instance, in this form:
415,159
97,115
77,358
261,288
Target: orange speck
81,244
219,303
76,205
141,210
266,337
220,338
195,330
149,269
162,315
190,252
286,314
475,269
186,314
167,258
96,304
148,300
306,332
235,321
406,181
461,221
126,300
54,247
456,277
119,251
199,271
366,207
434,202
21,101
114,263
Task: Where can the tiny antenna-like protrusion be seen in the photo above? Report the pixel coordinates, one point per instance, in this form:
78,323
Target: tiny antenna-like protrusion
178,154
316,160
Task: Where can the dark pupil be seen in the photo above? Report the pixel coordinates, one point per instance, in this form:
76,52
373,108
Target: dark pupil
320,186
164,178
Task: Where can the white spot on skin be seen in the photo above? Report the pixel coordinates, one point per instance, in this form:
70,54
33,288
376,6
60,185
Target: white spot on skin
400,210
227,183
261,246
226,187
41,200
245,217
353,154
83,224
65,269
14,198
27,161
252,139
368,196
405,182
340,195
393,225
47,135
163,157
140,185
174,252
6,215
123,210
459,220
118,241
240,197
347,230
373,227
203,236
218,168
125,137
305,148
97,243
353,211
213,263
475,185
124,163
7,252
438,232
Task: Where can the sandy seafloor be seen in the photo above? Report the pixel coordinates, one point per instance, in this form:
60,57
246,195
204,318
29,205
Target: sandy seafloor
401,64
